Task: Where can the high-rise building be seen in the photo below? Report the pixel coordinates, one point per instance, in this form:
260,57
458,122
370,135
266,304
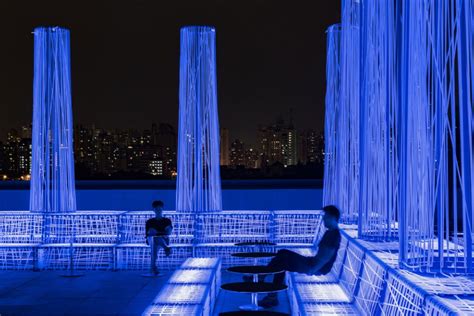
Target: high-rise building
155,166
251,159
17,154
107,152
3,169
24,157
288,146
165,144
224,147
237,153
270,144
310,147
25,132
85,149
278,143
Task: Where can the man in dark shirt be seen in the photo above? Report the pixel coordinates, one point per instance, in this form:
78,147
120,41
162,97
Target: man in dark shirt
157,231
320,264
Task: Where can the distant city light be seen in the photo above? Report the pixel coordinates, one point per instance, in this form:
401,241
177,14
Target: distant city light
115,153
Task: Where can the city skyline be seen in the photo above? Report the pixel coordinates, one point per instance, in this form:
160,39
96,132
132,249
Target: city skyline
152,151
270,59
251,139
26,129
248,137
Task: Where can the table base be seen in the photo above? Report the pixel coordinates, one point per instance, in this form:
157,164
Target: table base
152,275
252,307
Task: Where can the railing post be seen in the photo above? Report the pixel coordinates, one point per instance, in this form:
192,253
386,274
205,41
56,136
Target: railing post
272,226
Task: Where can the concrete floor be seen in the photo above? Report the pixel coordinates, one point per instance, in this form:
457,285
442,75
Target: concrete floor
95,293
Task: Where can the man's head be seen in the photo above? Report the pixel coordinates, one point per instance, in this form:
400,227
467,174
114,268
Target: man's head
157,207
331,216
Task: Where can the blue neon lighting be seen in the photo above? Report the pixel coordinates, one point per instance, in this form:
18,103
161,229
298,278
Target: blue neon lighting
52,167
198,186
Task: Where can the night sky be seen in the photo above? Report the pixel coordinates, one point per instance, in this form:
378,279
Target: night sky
125,59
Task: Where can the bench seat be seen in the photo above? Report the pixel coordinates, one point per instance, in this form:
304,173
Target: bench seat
191,290
86,256
136,256
18,256
304,278
360,283
321,293
173,310
329,309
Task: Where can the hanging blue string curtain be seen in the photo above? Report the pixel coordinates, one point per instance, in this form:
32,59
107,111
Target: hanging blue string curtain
346,177
378,119
198,180
330,191
406,82
52,167
436,165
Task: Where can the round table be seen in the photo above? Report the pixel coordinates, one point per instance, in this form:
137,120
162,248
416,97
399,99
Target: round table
259,287
254,289
254,271
253,313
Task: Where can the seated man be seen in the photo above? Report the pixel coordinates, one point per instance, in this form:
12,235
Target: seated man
157,231
317,265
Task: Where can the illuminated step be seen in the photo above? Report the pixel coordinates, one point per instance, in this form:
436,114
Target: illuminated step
191,290
203,263
322,292
192,276
182,294
173,310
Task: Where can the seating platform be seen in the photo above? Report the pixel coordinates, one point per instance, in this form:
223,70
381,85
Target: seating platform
191,290
18,256
83,256
360,283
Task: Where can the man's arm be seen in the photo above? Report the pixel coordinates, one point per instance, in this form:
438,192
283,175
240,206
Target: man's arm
168,230
322,257
169,227
151,232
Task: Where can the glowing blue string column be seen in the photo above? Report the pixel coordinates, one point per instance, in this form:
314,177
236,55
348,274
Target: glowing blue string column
465,70
378,122
436,164
52,171
333,76
347,130
198,181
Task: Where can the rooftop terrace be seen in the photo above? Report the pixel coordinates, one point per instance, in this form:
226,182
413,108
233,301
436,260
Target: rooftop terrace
108,248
